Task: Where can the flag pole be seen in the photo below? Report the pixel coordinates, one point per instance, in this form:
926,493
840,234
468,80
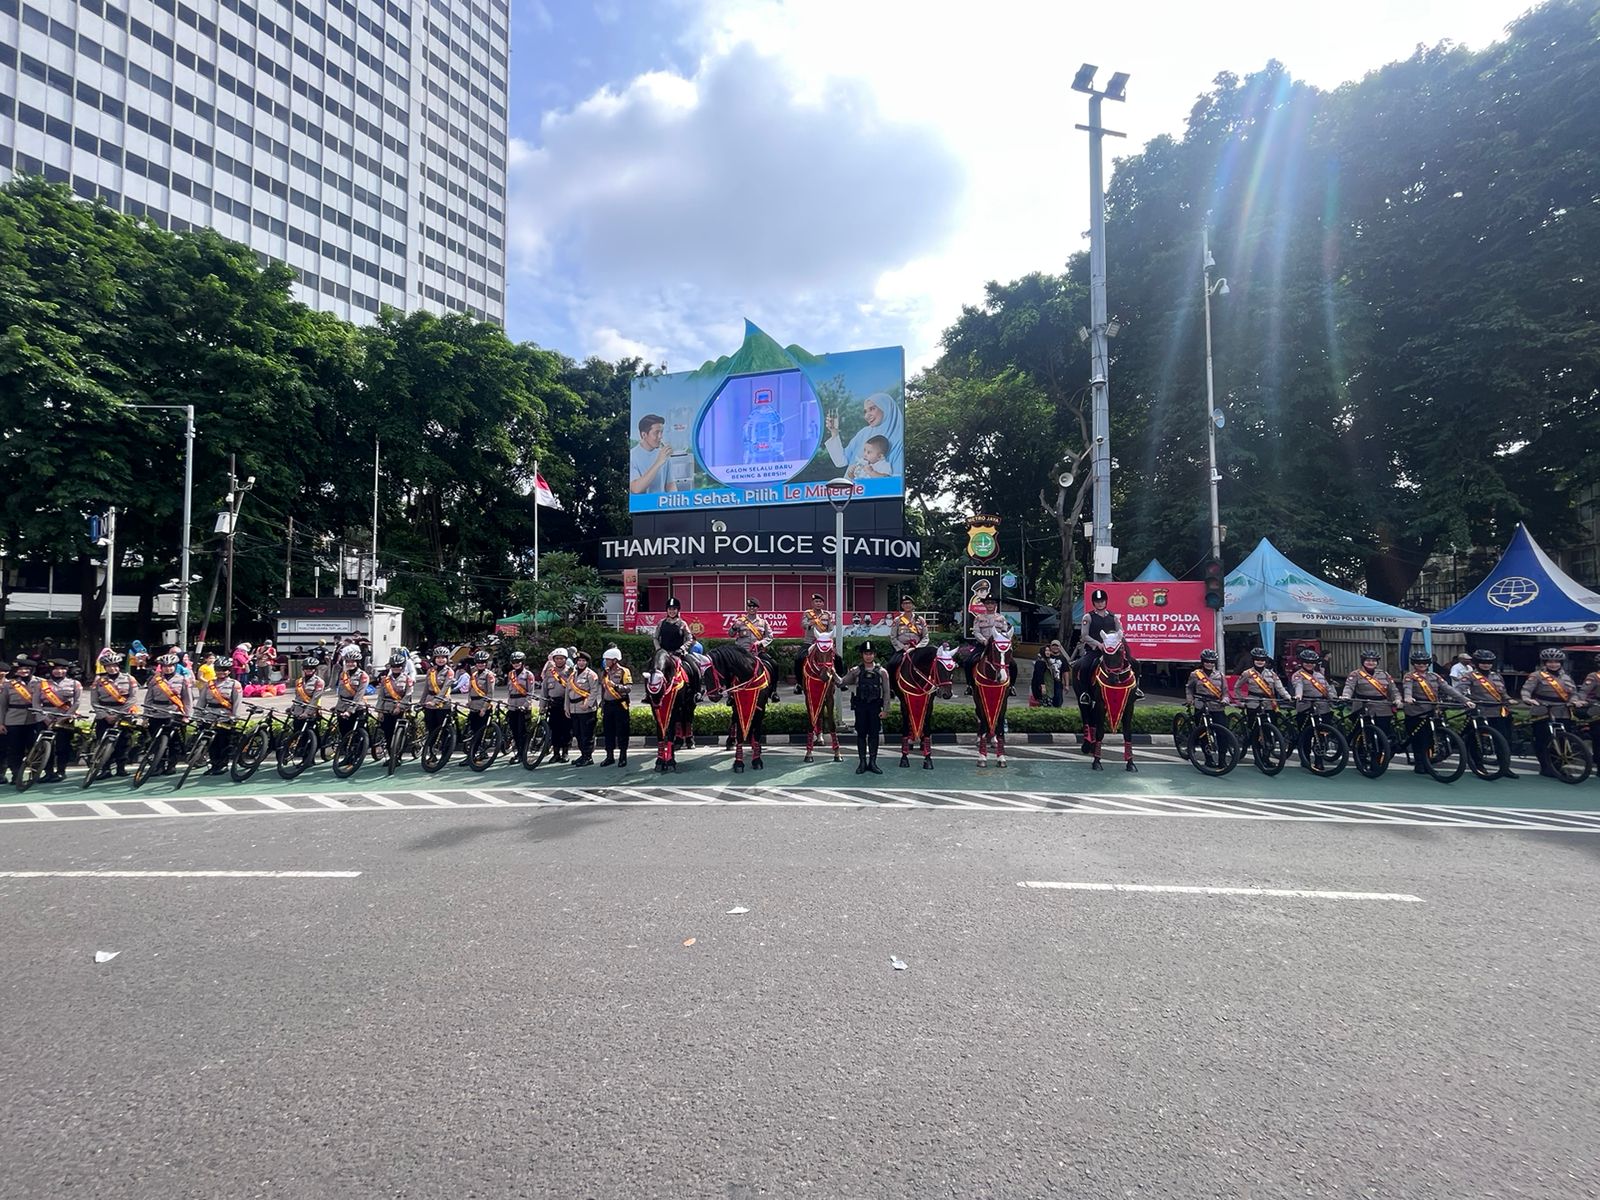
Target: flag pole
536,507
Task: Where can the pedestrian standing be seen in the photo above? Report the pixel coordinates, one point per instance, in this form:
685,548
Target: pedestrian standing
583,699
871,684
521,683
19,723
1459,671
616,694
553,687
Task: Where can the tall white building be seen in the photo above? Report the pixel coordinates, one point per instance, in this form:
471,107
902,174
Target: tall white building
363,142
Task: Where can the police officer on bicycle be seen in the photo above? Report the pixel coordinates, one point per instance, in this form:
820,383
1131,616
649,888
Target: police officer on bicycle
1421,691
521,686
1207,688
394,692
1372,689
111,700
1551,693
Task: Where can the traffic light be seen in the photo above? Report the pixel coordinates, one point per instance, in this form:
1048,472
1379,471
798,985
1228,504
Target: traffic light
1213,573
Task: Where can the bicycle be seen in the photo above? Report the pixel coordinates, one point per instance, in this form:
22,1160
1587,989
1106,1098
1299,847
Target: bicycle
1182,727
44,751
105,747
352,746
1488,751
403,739
1212,748
1323,748
1445,755
491,738
1565,754
1370,747
200,747
1268,745
303,743
439,744
159,748
538,740
264,737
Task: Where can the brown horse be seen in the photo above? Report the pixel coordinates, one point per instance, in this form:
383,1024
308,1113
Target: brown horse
748,683
915,678
993,670
817,670
1112,684
671,686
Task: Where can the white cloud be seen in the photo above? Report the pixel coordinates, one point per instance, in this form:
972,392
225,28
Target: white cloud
850,173
610,343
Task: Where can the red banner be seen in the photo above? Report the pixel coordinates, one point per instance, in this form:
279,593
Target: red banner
1163,622
630,600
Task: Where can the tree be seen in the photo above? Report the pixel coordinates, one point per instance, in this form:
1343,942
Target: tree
568,587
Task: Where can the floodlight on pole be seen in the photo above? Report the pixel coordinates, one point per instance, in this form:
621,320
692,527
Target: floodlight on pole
1099,353
840,492
1213,477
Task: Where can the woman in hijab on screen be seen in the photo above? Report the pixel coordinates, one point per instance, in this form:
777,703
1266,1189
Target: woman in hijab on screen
881,414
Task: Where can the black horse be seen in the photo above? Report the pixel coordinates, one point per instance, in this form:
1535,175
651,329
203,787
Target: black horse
747,683
671,685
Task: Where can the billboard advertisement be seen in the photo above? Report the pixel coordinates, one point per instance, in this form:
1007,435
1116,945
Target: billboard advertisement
768,425
860,623
1163,622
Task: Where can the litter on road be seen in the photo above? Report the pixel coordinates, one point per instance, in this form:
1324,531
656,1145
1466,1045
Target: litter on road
736,912
105,956
897,963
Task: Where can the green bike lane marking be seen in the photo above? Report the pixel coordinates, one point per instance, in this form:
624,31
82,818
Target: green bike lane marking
1041,769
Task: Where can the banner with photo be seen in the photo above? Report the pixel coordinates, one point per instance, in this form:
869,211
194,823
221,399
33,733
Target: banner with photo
768,425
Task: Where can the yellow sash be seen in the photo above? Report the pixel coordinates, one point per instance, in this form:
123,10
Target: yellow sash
344,685
1487,685
572,683
1257,678
816,619
388,686
612,690
110,689
515,684
177,700
300,691
1312,680
476,690
21,689
50,694
1210,686
217,695
1555,683
1422,682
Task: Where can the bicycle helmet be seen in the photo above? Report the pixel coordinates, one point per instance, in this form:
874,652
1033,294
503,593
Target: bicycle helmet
518,656
440,652
1370,655
166,660
351,652
1258,652
312,662
1486,657
611,655
1309,657
1551,654
223,665
481,658
109,657
398,659
1420,656
1208,656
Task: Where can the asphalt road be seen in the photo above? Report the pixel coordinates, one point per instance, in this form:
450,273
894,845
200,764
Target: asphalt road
502,1003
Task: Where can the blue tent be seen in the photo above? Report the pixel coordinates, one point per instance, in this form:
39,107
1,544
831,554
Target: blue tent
1526,593
1153,572
1266,589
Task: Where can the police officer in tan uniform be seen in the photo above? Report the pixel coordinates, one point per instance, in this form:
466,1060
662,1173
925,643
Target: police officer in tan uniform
553,690
751,633
1550,692
906,632
1421,691
1373,689
111,700
817,620
583,700
219,700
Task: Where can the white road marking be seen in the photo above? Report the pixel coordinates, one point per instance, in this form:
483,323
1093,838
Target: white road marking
43,812
273,802
487,798
326,801
103,809
433,798
179,874
384,801
161,806
217,805
1184,890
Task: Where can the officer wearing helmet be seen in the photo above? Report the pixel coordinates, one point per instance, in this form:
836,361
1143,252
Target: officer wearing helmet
394,688
673,632
616,693
1258,685
168,698
1550,692
19,721
480,697
111,700
583,700
1588,696
219,700
1098,622
553,691
1421,692
1207,687
1373,689
521,685
350,689
308,691
1487,688
437,683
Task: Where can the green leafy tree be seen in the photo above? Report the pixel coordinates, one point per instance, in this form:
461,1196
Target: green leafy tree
567,586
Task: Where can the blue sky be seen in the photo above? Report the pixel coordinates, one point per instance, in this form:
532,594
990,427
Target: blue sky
848,173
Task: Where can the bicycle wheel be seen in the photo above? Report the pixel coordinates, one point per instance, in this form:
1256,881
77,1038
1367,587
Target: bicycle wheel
327,740
1183,727
1269,748
298,752
1212,749
484,748
155,753
1446,757
1326,750
33,766
1370,749
1489,753
351,752
101,757
438,746
251,754
199,755
1568,757
538,745
398,739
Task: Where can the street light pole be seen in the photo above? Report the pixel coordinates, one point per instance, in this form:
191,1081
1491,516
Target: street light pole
111,567
235,502
840,492
1212,477
1099,356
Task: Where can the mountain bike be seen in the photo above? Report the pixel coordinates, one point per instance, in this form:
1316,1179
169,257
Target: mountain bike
164,742
403,739
200,747
485,745
264,736
1267,743
352,745
1182,727
54,742
538,739
440,743
1370,747
302,743
1565,754
1212,747
1323,748
1444,754
105,747
1488,751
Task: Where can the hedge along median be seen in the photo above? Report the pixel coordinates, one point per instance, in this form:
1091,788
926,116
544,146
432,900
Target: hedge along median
638,650
947,716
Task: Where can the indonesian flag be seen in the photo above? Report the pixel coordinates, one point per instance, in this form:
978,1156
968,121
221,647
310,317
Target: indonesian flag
542,493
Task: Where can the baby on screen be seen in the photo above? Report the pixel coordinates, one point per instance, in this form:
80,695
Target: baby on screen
874,460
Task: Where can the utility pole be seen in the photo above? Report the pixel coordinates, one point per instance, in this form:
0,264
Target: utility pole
236,493
1099,355
111,567
288,560
1220,288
